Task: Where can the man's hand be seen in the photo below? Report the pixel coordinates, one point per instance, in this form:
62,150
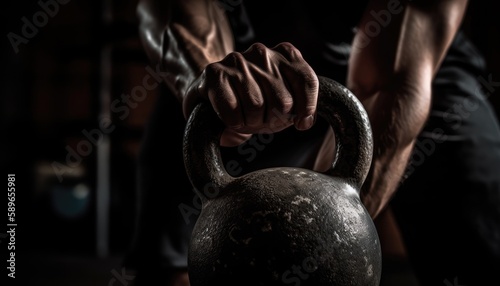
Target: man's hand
259,90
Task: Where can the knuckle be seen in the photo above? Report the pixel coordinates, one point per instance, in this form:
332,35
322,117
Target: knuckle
285,104
234,59
310,81
309,109
257,49
255,103
306,77
214,71
289,50
286,46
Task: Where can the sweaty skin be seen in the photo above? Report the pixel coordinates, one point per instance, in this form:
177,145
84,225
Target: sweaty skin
391,75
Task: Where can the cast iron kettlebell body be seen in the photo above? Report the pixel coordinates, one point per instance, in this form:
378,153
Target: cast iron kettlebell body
285,225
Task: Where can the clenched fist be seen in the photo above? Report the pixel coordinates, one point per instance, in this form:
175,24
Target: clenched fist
259,90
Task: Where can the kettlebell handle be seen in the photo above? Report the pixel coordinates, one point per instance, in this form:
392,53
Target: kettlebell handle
336,104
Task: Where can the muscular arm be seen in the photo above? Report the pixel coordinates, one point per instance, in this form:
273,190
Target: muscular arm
183,37
192,42
391,71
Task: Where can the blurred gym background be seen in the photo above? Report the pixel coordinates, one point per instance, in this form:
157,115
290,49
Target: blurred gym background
72,132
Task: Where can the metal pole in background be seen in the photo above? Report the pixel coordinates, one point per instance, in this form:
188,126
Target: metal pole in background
103,149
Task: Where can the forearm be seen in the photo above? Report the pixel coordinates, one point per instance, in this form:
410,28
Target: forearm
391,73
182,37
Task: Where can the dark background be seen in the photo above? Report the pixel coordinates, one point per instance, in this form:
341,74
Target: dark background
75,231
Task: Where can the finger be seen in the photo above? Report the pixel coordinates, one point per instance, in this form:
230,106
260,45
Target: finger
247,91
280,113
288,51
263,64
302,82
259,55
278,101
222,96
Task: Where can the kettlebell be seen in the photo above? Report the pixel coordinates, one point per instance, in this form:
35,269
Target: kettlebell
284,225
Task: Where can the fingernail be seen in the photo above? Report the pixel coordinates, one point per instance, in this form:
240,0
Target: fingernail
305,122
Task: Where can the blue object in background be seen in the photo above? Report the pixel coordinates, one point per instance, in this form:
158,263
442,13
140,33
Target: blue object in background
70,202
